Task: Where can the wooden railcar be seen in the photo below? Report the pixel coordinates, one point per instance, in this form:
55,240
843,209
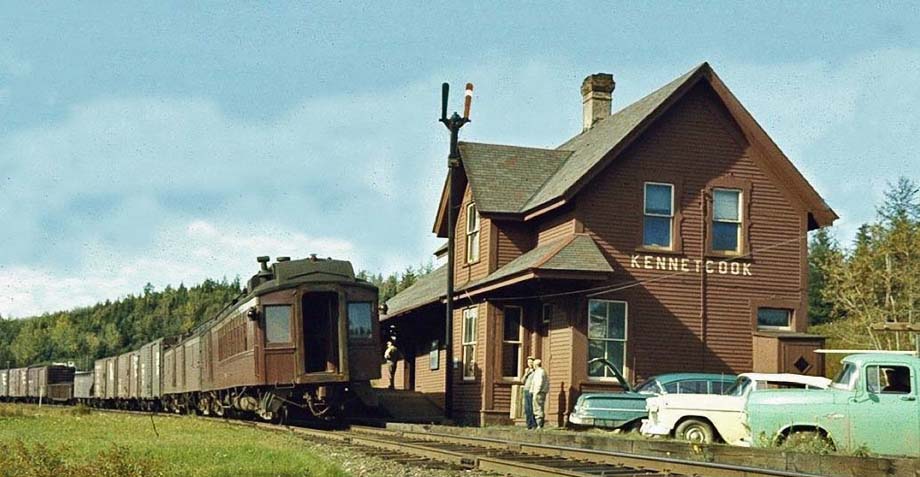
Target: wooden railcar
304,334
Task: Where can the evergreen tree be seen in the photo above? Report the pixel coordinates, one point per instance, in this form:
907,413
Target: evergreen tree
823,255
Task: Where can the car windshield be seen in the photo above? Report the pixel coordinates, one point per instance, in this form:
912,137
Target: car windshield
739,387
845,378
649,387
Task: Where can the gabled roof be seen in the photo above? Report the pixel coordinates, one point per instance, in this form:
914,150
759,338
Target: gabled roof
506,177
501,176
576,253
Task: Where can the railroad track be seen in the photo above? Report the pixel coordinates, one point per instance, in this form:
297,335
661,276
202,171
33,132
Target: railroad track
506,457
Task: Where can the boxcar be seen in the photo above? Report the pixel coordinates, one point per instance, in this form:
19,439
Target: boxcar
111,378
151,359
192,364
54,382
17,389
32,384
123,376
169,370
4,383
83,382
99,379
134,376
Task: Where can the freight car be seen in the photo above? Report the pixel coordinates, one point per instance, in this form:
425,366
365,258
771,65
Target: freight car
52,383
302,336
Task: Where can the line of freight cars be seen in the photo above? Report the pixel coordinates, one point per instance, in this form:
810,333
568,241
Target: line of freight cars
304,335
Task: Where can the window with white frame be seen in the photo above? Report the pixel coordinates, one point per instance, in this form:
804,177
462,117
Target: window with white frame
658,220
511,342
472,233
726,220
469,343
774,319
606,336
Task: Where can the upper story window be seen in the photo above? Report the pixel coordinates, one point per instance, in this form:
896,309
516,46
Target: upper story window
658,225
774,319
360,319
277,324
472,233
726,220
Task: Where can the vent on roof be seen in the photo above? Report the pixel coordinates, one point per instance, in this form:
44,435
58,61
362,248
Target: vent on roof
596,97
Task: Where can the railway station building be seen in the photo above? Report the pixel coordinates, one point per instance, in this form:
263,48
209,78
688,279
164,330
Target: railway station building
670,236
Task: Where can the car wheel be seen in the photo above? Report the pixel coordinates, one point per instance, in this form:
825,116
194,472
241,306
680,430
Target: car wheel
696,431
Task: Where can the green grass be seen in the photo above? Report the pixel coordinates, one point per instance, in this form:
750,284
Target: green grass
58,441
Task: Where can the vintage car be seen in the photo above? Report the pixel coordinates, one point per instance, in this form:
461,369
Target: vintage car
872,405
708,418
625,409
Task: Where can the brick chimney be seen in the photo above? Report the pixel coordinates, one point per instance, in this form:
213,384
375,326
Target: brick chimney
596,95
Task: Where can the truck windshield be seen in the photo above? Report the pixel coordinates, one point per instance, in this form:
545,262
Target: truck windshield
739,387
845,378
649,387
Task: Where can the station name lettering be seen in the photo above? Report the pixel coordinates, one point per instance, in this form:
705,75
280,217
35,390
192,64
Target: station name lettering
678,264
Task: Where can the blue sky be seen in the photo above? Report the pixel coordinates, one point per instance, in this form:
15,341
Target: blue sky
163,143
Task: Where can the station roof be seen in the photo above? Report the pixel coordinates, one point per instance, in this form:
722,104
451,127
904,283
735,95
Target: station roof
576,253
526,181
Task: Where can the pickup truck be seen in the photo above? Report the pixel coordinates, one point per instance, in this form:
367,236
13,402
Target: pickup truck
871,405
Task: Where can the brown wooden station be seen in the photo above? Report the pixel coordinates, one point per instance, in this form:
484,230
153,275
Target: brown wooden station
670,236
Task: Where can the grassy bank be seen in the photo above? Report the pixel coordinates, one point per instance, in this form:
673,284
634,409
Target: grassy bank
57,441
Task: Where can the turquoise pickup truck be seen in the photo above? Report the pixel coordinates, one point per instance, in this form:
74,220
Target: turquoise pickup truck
872,404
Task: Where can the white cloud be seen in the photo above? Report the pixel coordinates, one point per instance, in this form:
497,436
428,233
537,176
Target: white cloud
186,253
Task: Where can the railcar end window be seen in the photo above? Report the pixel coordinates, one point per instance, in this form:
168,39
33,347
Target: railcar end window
511,343
278,324
774,319
472,233
360,320
469,343
726,220
606,336
658,224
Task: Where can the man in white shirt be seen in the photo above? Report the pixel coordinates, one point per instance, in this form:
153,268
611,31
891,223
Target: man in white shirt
539,387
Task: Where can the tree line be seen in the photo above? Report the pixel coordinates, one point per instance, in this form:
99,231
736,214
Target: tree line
875,280
82,335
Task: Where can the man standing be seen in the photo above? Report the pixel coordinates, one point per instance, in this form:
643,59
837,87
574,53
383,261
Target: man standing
528,396
390,355
539,386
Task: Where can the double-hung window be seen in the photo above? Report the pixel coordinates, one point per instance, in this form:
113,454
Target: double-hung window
606,336
658,223
726,220
472,233
469,343
511,342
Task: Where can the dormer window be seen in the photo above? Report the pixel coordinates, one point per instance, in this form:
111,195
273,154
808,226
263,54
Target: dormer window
472,233
658,223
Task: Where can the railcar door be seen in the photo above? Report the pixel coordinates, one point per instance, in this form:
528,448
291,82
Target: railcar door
320,312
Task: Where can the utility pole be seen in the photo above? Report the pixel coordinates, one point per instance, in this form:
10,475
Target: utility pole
453,124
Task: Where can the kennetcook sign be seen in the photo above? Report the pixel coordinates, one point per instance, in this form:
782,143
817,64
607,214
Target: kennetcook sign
683,264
